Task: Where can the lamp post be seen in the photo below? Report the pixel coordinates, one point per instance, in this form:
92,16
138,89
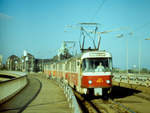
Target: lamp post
139,56
127,55
140,45
121,36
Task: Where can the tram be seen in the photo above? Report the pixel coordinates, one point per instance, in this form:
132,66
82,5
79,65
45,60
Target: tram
88,73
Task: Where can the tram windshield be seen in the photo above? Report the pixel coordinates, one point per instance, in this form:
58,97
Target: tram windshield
97,65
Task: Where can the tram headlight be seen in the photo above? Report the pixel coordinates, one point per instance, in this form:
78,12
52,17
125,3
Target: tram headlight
108,81
90,81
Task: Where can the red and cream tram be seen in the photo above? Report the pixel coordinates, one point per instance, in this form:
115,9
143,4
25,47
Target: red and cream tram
90,72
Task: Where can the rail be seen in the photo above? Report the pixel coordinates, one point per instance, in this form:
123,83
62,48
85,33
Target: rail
10,87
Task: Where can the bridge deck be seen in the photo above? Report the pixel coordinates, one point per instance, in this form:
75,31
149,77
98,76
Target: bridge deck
51,99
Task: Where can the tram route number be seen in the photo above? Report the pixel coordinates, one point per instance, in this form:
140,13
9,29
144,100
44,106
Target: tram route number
99,80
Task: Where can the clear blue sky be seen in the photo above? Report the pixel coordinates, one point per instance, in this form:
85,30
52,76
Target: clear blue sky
38,27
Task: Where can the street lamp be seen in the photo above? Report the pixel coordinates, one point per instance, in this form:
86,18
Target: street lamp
147,38
139,56
121,36
140,45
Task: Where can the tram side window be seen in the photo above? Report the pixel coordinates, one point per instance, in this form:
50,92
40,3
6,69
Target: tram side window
53,67
70,66
56,67
73,66
59,66
49,67
67,66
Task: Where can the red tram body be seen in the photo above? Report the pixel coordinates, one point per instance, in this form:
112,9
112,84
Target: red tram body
81,72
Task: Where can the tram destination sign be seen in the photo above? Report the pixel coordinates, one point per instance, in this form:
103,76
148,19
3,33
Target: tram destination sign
96,54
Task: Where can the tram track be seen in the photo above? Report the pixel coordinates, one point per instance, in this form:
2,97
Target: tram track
107,106
147,98
99,105
84,104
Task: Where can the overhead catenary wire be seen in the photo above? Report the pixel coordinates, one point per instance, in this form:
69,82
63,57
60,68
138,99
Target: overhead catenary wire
98,9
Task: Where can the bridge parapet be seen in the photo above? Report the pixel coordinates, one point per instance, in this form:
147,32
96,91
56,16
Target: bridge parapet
10,87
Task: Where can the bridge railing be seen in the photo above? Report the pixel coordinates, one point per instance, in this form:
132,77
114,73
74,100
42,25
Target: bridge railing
143,80
68,91
9,88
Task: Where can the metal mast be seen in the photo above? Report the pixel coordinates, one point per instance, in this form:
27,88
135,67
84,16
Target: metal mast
89,31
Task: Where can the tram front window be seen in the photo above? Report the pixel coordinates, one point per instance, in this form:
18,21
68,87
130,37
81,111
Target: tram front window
97,65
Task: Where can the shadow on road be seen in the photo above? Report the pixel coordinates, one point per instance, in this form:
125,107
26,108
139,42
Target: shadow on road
121,92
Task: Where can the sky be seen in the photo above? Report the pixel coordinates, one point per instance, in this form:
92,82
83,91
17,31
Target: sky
38,26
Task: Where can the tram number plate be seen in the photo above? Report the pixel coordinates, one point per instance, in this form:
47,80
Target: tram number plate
99,80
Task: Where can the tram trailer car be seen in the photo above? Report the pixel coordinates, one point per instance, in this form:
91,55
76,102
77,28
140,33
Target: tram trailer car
83,72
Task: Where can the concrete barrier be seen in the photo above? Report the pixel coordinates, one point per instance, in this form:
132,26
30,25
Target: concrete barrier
11,87
13,73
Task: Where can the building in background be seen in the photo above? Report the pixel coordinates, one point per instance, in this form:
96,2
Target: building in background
27,62
39,64
63,52
13,63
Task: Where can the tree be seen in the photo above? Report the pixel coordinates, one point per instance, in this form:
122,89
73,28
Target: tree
144,70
